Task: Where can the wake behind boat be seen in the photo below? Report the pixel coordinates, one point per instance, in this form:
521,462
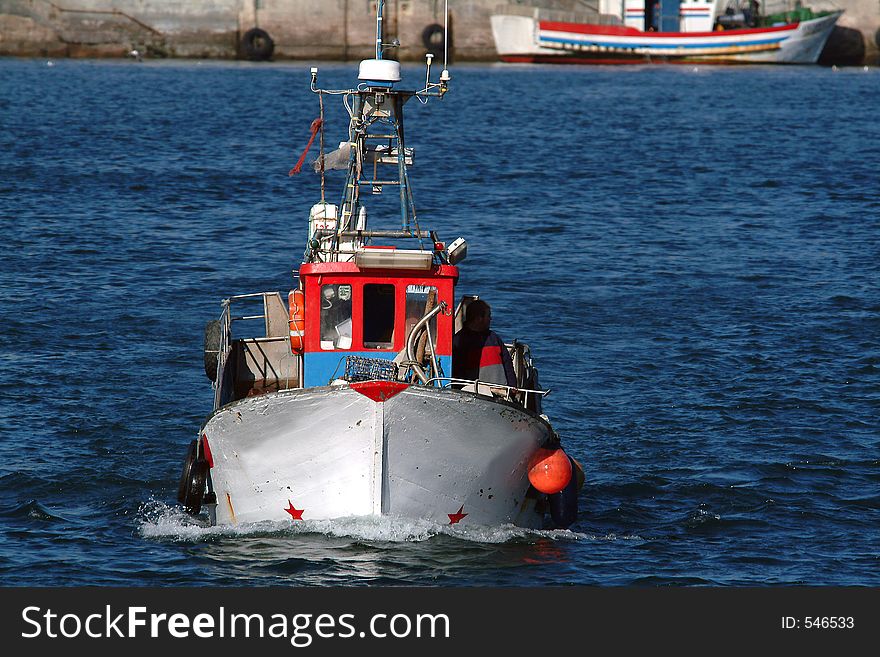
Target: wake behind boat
667,31
345,403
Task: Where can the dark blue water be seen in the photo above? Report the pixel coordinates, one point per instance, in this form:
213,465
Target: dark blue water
693,255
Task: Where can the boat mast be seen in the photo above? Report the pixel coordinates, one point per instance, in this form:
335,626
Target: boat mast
376,137
380,6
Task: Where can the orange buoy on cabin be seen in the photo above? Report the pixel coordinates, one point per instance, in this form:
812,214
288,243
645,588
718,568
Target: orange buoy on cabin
296,301
549,470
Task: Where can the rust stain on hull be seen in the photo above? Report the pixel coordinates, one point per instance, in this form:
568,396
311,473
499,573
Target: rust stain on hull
229,505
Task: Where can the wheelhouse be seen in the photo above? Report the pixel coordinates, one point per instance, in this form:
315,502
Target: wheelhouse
369,313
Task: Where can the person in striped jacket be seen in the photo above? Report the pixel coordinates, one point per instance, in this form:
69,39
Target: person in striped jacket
478,353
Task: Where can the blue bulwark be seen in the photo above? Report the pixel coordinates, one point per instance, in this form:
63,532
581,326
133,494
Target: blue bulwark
322,367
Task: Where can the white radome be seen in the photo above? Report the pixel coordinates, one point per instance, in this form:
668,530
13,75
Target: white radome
379,70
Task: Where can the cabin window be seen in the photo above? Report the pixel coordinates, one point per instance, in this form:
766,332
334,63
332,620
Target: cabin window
378,316
420,299
335,317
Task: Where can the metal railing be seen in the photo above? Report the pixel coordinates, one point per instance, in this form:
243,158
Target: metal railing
227,319
510,392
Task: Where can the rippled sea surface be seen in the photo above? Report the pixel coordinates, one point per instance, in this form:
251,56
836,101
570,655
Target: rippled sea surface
692,253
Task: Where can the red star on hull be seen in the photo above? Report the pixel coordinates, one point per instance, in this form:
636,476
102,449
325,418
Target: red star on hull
455,518
296,514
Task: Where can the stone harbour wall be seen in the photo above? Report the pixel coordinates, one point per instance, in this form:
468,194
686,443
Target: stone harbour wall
312,29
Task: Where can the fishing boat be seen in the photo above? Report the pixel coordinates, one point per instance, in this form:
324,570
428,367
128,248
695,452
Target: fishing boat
667,31
342,401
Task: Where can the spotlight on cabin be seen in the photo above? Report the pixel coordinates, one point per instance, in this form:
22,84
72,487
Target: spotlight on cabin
457,251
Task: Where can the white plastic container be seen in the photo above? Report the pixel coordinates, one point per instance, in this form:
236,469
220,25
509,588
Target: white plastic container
322,216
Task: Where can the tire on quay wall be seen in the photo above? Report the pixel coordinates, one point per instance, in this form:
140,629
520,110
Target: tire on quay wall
845,47
257,45
433,37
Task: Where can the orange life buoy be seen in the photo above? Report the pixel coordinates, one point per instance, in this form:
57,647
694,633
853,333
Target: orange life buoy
296,301
549,470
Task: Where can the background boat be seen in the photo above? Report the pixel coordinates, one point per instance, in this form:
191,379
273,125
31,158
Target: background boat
636,31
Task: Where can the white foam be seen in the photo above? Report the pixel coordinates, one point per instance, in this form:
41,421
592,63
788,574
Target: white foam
159,521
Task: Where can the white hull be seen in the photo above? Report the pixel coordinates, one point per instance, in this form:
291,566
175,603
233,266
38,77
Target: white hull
525,39
320,453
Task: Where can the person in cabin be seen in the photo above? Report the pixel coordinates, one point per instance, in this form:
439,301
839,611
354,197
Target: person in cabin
478,353
746,9
755,12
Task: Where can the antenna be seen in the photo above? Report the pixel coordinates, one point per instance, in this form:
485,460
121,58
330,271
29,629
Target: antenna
428,58
380,4
444,76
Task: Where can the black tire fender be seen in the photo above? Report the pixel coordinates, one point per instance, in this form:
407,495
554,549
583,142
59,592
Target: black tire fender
191,488
564,504
257,45
187,470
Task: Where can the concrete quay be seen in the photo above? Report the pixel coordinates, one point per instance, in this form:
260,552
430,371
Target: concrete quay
312,30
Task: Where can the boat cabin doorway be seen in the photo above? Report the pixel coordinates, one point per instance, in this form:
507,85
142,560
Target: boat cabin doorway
662,16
